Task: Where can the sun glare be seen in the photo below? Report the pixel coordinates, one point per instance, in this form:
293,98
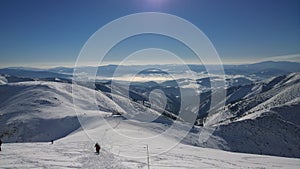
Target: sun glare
154,3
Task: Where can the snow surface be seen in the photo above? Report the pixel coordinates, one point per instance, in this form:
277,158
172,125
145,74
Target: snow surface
76,151
3,80
266,122
42,111
81,154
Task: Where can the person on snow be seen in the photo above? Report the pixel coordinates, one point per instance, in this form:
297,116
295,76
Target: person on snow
0,144
97,146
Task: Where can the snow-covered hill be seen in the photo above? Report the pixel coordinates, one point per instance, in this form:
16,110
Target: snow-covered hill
3,80
79,153
123,145
42,111
261,118
265,120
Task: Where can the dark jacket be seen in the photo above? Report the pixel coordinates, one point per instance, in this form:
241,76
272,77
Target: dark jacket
97,146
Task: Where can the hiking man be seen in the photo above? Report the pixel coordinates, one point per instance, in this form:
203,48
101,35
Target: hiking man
0,144
97,146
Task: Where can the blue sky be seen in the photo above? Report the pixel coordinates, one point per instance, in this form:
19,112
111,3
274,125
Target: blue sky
51,33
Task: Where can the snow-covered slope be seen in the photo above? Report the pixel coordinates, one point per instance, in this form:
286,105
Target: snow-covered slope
266,122
250,99
70,153
42,111
263,121
124,145
76,150
3,80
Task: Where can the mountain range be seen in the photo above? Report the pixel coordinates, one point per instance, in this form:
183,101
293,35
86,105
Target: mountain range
260,113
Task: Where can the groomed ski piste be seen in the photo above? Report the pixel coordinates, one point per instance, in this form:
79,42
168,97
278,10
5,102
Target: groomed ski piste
32,113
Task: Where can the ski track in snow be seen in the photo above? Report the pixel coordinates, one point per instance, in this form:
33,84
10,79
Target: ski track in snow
77,151
65,154
57,155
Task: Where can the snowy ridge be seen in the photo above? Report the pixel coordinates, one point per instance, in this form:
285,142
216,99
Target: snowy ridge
267,122
27,110
3,80
270,93
285,97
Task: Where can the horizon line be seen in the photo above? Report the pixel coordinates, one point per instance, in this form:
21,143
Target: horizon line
166,64
279,58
